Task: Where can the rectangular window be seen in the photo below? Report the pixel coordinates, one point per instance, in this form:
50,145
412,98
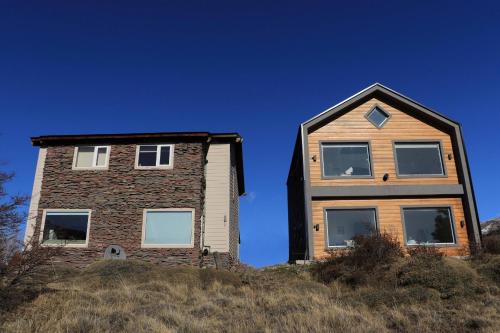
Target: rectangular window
168,228
66,228
91,157
346,160
154,156
419,159
344,224
428,226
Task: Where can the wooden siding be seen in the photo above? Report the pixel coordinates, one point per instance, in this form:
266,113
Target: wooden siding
401,126
217,198
389,219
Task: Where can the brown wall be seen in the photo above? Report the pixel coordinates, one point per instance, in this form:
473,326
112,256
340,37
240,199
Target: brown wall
389,219
117,197
401,126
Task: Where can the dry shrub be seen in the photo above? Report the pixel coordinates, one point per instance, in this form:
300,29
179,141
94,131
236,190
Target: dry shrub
489,266
430,252
355,266
491,243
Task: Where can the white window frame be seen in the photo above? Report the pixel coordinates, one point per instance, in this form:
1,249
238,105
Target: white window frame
170,164
171,246
53,210
325,213
452,225
416,144
94,158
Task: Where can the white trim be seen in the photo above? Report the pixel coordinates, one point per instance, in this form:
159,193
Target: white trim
35,196
94,158
51,210
170,164
171,246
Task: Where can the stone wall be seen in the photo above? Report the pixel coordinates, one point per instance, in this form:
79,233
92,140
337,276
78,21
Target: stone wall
117,197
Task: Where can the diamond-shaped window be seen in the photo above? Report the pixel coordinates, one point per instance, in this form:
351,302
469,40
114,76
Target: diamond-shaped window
378,117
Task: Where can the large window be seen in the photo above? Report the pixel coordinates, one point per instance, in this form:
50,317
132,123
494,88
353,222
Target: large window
344,224
154,156
428,226
346,160
419,159
168,228
91,157
66,227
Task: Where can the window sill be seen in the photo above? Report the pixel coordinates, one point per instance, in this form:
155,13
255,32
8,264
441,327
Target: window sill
89,168
167,246
165,167
65,245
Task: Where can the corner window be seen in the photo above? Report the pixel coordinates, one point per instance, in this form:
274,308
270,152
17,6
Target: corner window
345,160
91,157
168,228
154,156
428,226
377,117
344,224
66,228
419,159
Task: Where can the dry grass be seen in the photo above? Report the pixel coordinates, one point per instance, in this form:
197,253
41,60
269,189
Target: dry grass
127,296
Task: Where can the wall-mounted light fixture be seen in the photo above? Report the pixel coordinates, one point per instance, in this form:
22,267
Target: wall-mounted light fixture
316,227
450,156
386,176
314,158
462,223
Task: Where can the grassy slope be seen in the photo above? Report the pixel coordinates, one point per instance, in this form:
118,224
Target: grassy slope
130,296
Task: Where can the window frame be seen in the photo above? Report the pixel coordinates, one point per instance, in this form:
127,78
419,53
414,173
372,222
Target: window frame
94,158
167,246
377,106
353,142
325,222
417,142
62,210
170,165
452,222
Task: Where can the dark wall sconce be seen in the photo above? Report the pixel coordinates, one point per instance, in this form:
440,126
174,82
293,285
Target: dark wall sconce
450,156
386,176
462,223
316,227
314,158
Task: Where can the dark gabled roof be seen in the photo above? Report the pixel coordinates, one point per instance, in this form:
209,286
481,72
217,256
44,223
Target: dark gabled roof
381,91
234,138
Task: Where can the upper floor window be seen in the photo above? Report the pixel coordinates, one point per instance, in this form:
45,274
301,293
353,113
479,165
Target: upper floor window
91,157
154,156
419,159
377,117
345,160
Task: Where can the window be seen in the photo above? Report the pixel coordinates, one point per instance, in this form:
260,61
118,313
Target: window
428,226
66,227
346,160
154,156
419,159
377,117
168,228
90,157
344,224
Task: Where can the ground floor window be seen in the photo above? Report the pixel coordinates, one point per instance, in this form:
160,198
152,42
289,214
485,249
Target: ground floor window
344,224
168,228
66,227
428,226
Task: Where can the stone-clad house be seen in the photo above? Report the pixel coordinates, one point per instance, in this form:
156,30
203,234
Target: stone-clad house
170,198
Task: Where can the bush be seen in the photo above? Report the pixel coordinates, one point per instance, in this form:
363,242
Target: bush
491,244
431,252
354,265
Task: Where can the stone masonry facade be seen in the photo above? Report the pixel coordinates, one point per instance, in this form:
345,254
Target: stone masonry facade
118,196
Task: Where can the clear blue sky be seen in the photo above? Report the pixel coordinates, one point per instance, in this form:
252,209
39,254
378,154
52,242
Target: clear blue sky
255,67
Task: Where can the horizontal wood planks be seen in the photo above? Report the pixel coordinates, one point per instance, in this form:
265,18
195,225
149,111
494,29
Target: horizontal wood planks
389,219
401,126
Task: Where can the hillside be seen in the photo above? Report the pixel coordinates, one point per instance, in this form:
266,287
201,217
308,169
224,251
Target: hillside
447,295
491,226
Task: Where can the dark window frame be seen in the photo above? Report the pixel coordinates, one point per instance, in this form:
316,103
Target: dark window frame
416,142
325,221
376,106
353,142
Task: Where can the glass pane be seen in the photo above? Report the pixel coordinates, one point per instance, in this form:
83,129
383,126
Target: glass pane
84,157
165,155
101,156
345,160
147,159
65,228
377,117
148,148
170,228
344,224
428,226
419,159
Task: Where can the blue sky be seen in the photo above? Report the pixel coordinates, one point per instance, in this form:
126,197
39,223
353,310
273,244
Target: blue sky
255,67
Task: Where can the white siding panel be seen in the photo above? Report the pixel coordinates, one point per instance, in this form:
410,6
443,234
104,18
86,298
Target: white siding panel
35,195
217,198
